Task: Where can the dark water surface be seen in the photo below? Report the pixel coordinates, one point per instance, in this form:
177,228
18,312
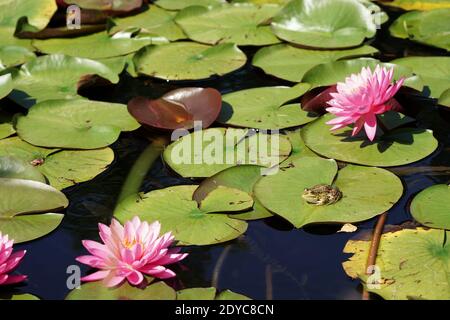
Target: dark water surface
272,260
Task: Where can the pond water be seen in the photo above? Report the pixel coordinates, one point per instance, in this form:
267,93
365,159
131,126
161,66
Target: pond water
272,260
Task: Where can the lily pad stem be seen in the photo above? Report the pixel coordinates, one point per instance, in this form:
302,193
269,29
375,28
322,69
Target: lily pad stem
140,168
371,259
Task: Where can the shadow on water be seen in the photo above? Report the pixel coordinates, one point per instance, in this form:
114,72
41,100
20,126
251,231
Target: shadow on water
273,259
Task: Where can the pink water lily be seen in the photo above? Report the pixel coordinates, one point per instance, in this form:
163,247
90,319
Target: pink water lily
9,261
361,98
130,252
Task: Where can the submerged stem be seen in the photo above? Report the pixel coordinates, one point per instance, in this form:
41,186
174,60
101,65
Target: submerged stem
140,169
371,259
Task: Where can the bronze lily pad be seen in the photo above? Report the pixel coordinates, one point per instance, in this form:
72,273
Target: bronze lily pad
178,108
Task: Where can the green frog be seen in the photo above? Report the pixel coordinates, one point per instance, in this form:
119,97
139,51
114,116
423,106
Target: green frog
322,194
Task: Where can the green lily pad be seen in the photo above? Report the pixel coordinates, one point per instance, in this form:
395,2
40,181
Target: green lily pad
333,72
21,204
107,5
56,77
366,192
299,149
76,124
324,23
421,5
188,60
265,108
207,152
444,99
177,212
6,85
432,208
38,14
261,1
413,264
12,56
242,24
181,4
98,291
230,295
121,63
426,27
20,296
6,126
99,45
208,294
155,21
62,168
291,63
242,178
197,294
434,73
11,167
395,148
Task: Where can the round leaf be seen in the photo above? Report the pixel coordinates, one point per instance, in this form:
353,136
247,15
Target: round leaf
418,4
230,295
78,123
57,77
242,24
428,27
265,108
6,126
6,85
12,56
395,148
98,45
324,23
11,167
197,294
177,109
207,152
178,213
366,192
155,21
242,178
181,4
413,264
432,208
291,63
98,291
189,61
107,5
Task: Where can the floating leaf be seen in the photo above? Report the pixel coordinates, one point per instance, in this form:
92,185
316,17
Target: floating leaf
181,4
413,264
37,13
432,208
6,127
422,5
324,23
178,213
291,63
77,124
395,148
20,296
62,168
208,294
242,24
98,291
21,204
107,5
299,149
427,27
56,77
6,85
265,108
366,192
434,73
154,20
333,72
98,45
444,99
11,167
12,56
207,152
178,108
189,61
242,178
230,295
